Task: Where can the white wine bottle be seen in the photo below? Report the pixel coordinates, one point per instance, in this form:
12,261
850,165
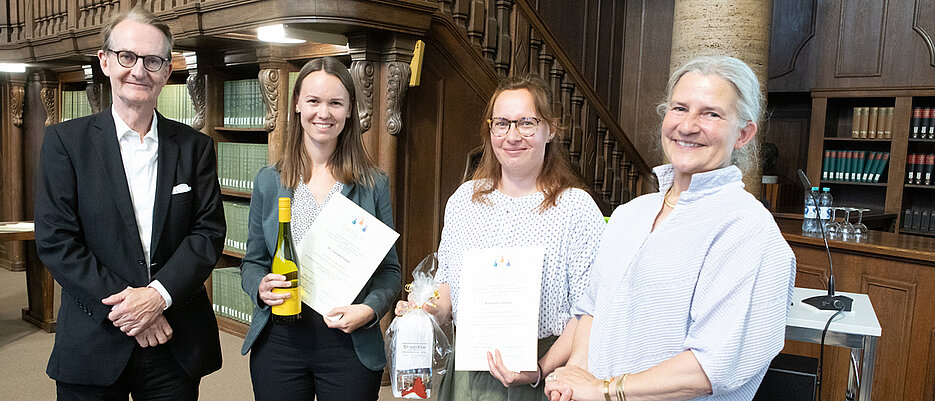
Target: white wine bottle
284,262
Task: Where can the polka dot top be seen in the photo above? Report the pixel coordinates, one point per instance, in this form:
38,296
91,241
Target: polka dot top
570,233
305,209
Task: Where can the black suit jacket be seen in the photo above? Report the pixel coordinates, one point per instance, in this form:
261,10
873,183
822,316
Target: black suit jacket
86,234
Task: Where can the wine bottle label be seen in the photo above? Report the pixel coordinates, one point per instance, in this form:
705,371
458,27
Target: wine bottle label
291,306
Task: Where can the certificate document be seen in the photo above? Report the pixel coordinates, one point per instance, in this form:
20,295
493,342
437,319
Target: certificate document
340,252
498,307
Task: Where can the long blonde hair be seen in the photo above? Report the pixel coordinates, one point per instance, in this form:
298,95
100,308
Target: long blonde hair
349,163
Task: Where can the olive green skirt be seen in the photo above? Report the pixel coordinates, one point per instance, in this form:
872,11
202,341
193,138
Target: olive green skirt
482,386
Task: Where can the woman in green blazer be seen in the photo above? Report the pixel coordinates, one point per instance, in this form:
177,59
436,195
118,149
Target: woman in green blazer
338,359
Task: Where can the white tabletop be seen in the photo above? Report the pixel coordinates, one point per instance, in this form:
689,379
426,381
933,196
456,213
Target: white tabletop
861,320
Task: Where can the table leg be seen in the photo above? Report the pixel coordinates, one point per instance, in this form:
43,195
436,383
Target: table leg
866,367
41,291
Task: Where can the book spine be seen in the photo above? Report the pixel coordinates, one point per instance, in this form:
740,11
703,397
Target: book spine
929,166
907,219
855,123
888,126
924,222
826,165
872,122
910,168
881,166
916,219
864,121
931,123
924,122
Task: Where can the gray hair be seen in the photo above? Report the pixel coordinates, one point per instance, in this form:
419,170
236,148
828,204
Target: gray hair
142,16
746,88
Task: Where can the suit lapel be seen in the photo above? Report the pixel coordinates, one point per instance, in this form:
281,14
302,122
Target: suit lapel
105,141
165,177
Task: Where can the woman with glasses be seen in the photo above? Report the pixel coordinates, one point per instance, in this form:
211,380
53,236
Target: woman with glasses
691,285
524,193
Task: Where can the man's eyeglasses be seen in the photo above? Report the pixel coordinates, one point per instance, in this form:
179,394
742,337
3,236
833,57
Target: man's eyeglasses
127,59
526,126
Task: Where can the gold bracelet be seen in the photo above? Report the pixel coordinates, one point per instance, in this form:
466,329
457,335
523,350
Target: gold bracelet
621,392
607,389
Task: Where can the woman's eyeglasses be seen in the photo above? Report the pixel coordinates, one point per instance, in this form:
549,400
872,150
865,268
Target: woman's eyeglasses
526,126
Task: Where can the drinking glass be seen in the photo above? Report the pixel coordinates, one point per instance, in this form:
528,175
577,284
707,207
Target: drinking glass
832,227
860,229
847,229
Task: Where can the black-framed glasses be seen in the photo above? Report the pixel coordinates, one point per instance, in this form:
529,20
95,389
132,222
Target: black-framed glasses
526,126
127,59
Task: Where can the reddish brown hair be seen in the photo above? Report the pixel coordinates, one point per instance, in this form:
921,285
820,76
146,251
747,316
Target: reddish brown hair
556,175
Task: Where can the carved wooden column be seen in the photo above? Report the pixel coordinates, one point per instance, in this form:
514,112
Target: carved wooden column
274,86
12,253
738,28
97,89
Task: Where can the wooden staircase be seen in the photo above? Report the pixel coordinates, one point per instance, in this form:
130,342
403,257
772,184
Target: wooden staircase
513,39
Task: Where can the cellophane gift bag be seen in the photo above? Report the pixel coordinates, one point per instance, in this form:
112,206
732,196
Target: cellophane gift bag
417,346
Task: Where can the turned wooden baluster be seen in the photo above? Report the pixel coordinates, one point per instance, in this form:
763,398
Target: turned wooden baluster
597,183
556,73
608,177
445,6
477,17
460,10
502,57
634,181
624,167
535,47
491,31
577,124
566,88
545,62
616,193
588,145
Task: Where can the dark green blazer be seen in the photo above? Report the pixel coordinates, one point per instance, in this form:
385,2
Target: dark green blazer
380,291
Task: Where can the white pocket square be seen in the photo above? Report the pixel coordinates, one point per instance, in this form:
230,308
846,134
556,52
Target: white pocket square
181,189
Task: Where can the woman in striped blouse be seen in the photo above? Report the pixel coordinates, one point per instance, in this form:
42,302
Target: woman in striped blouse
691,285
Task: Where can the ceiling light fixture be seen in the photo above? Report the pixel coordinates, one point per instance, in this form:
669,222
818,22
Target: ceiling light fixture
275,33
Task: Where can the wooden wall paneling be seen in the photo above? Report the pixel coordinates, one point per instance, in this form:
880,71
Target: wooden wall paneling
923,24
792,29
894,302
861,39
929,390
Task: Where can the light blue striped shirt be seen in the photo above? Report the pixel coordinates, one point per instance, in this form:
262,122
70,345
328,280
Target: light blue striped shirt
715,277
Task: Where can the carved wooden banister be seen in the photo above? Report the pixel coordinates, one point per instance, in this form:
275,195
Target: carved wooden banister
515,40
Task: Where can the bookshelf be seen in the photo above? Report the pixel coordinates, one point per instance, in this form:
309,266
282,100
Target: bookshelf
838,122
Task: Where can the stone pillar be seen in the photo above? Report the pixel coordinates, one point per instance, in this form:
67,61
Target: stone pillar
737,28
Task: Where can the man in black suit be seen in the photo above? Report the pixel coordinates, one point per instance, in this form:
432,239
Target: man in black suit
129,221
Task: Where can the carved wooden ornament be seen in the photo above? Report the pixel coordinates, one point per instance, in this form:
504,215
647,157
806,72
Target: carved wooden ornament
48,101
269,84
396,84
362,72
196,89
17,93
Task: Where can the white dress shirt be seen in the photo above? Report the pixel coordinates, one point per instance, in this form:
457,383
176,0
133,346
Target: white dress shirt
140,160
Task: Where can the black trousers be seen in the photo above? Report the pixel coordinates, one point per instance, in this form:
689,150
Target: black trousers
307,360
151,374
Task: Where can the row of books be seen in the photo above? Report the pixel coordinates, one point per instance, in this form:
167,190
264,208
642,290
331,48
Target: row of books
854,165
175,103
238,164
243,104
921,220
919,168
923,123
75,104
872,122
236,215
228,297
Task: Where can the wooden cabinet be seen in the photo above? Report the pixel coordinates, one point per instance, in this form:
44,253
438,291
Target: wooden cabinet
831,128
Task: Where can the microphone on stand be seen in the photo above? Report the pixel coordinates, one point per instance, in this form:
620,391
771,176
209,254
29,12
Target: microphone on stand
829,301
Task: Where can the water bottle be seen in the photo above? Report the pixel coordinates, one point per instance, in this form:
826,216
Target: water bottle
810,221
824,207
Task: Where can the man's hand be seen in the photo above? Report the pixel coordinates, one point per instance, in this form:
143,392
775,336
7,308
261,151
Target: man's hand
352,317
135,309
157,333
